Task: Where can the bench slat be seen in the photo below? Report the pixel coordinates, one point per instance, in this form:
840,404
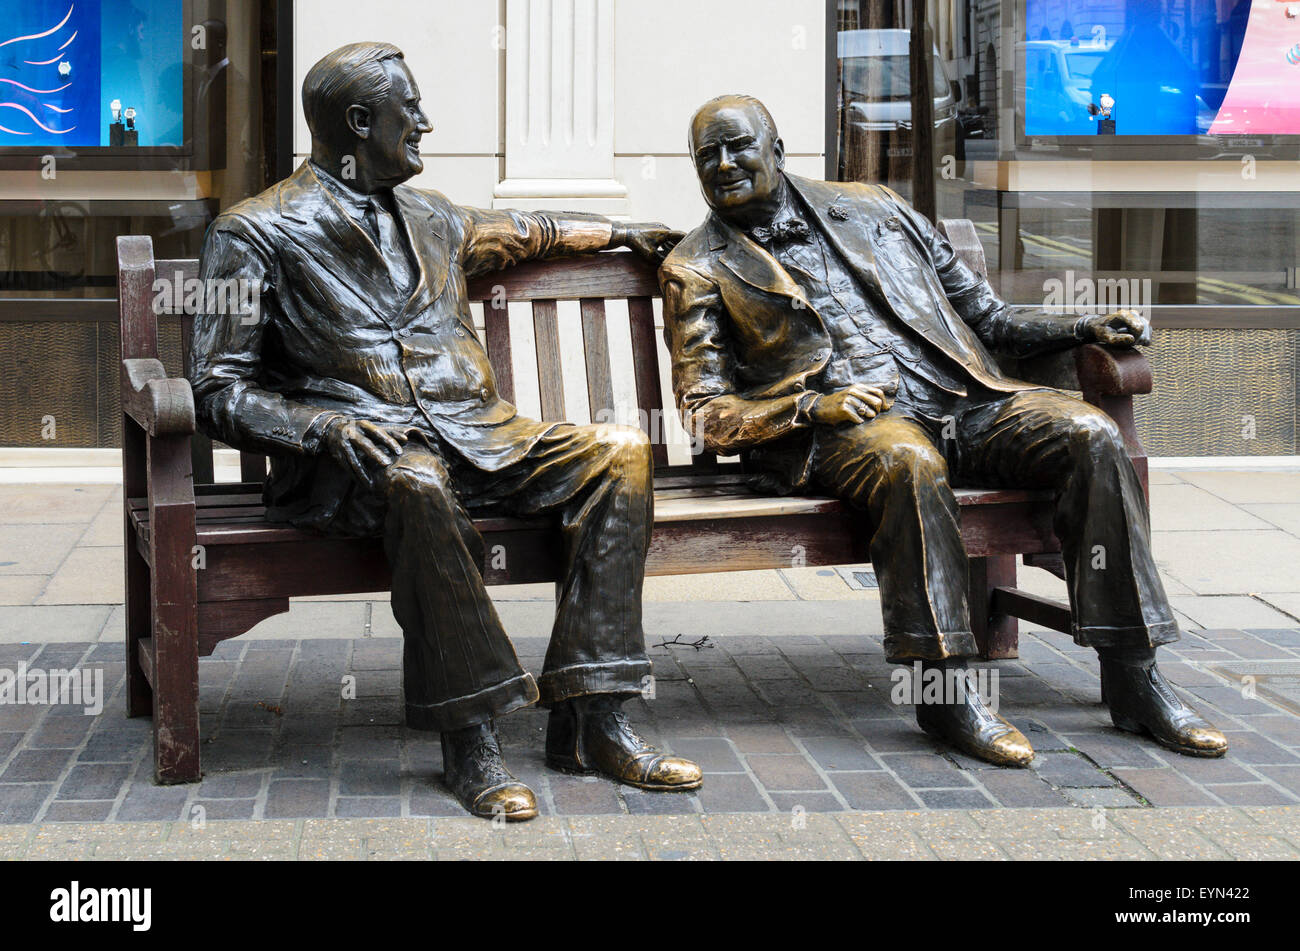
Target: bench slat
645,368
550,379
595,339
496,326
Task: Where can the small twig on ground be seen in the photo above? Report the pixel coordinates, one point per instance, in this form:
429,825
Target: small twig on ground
702,643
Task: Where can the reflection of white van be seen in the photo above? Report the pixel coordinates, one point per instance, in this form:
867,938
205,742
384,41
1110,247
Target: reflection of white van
876,89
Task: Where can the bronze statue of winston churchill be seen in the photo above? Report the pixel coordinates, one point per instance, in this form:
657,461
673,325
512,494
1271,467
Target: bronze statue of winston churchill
828,333
363,379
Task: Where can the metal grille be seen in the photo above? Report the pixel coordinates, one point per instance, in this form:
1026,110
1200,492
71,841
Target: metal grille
67,372
1222,392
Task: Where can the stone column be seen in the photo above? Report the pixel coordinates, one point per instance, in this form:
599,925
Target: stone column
559,146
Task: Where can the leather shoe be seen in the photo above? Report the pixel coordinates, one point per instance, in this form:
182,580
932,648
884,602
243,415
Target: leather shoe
477,777
968,724
591,735
1142,701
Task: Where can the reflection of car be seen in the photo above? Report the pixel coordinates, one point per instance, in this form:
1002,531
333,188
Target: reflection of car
876,93
1057,82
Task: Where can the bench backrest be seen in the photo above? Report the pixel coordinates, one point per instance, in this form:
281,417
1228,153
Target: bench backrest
623,357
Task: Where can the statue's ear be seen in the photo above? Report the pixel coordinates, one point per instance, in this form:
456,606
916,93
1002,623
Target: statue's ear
358,119
778,149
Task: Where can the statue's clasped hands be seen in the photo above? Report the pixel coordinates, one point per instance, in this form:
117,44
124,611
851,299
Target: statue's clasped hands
853,404
1123,328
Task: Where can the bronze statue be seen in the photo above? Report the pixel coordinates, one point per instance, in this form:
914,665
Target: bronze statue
829,333
363,379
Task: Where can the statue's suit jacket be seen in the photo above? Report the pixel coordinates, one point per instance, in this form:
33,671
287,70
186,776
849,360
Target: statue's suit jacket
333,336
746,344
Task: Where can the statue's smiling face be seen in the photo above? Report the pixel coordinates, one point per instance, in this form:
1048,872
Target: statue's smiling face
396,126
738,158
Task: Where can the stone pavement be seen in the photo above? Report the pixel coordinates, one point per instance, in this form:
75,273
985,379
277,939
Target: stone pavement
786,704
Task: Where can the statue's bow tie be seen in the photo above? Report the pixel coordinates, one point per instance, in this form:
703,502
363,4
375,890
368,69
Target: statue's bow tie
789,231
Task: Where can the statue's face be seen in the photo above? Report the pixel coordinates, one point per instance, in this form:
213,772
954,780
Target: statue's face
396,125
738,159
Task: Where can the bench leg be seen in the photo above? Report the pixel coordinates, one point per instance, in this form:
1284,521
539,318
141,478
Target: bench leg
139,627
174,661
997,635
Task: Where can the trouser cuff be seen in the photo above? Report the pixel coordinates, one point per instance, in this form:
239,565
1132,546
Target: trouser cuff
580,680
474,708
905,648
1136,635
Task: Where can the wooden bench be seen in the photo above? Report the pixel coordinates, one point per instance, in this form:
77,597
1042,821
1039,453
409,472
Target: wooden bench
203,564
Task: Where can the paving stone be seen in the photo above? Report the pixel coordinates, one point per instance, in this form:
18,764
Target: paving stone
921,771
1288,777
1106,798
809,802
956,799
36,766
95,811
1019,787
644,803
1247,747
370,778
94,781
222,809
784,772
231,786
726,792
297,798
147,802
1252,794
1164,787
1069,769
713,754
1117,750
750,738
380,807
429,801
22,802
835,753
874,791
584,796
60,733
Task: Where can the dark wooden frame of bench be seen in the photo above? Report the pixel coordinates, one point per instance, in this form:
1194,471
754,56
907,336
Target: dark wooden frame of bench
706,520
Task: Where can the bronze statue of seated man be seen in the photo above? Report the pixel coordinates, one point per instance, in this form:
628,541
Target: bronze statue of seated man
363,379
828,333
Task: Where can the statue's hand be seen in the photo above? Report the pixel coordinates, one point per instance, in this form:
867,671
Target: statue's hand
360,445
651,240
1124,328
853,404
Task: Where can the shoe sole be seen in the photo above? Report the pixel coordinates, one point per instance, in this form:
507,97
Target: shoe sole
649,787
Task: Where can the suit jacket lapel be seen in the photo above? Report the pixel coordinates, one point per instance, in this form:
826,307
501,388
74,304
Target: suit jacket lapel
751,262
338,244
844,224
427,231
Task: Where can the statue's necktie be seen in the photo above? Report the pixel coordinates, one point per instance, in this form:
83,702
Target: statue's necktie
391,245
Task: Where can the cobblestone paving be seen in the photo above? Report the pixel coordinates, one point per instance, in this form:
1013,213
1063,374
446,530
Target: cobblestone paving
791,727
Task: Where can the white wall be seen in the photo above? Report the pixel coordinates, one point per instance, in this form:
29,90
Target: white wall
669,57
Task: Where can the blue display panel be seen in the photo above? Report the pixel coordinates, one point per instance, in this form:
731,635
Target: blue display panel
66,67
1195,68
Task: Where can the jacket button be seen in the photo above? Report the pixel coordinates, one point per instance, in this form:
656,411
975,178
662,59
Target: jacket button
484,394
460,331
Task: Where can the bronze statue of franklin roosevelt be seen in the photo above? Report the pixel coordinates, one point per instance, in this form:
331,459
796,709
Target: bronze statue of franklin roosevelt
828,333
363,379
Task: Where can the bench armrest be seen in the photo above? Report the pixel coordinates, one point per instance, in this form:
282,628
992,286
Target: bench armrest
161,405
1092,368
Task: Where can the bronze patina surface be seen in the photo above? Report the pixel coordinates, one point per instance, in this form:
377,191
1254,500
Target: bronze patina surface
829,334
362,377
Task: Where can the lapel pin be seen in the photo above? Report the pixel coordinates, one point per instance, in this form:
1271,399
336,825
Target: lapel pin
838,212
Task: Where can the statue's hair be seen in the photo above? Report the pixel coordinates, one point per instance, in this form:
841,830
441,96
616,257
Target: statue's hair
755,104
351,75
